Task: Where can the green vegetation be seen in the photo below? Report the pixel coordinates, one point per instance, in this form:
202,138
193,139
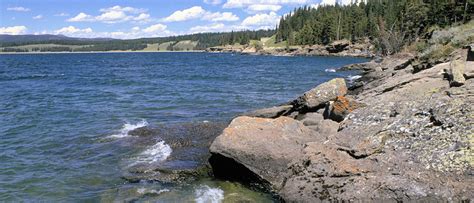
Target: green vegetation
444,41
42,48
389,24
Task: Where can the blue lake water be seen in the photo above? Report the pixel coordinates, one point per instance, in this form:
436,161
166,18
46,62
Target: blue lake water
63,116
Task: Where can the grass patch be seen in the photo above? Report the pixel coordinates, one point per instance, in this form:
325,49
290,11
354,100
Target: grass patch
271,42
186,45
151,47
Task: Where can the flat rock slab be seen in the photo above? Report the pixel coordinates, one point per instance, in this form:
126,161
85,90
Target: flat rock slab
263,146
271,112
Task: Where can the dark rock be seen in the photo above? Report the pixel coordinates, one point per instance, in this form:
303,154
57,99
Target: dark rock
143,131
190,143
166,175
338,46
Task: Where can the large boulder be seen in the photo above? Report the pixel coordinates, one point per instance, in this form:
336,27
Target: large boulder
320,95
265,147
272,112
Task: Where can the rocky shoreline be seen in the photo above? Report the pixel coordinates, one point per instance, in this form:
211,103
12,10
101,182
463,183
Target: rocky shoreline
336,48
403,131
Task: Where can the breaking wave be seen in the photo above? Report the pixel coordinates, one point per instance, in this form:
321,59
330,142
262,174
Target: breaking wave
127,127
353,78
145,191
156,153
206,194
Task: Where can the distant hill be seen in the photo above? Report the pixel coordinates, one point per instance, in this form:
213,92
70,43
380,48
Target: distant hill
42,38
46,43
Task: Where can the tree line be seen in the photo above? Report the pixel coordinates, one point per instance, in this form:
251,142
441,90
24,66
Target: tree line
385,22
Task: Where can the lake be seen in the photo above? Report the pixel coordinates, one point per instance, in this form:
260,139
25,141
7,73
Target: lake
65,118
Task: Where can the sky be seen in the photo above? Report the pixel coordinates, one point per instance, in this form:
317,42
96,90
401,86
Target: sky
128,19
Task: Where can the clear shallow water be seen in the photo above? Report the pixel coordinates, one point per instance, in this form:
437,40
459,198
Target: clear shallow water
63,117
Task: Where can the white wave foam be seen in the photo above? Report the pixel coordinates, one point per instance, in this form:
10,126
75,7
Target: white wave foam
127,127
156,153
352,78
144,191
330,70
206,194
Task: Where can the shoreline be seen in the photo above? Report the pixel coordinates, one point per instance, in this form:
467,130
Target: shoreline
197,51
100,52
343,48
347,141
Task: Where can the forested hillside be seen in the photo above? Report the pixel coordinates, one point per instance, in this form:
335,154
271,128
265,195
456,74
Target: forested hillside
204,40
388,23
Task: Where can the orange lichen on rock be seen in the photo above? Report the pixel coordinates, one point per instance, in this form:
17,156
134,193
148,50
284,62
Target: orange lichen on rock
341,107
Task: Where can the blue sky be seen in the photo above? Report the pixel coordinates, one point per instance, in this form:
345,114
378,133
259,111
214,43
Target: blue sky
142,18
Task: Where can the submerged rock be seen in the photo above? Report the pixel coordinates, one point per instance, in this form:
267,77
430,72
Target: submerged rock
189,143
142,131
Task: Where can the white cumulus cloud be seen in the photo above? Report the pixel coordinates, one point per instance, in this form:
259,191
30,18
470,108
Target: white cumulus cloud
19,9
114,14
157,30
218,16
186,14
213,2
112,17
218,27
266,20
246,3
72,30
62,14
37,17
14,30
198,12
81,17
154,28
263,7
142,17
124,9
